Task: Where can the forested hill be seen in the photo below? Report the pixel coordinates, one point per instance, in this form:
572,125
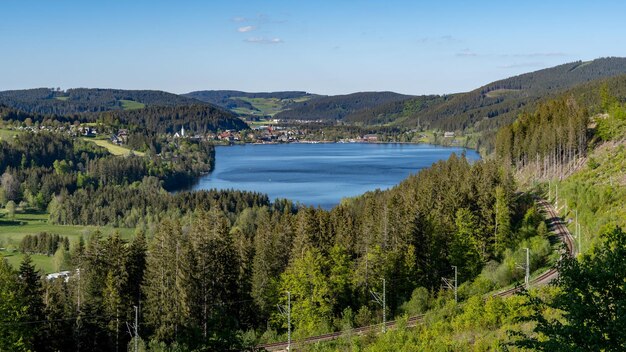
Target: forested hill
194,118
339,106
82,100
497,103
157,119
232,98
255,104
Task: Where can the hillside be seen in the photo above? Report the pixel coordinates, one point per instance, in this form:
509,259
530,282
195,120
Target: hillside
395,111
591,185
261,104
339,107
170,119
82,100
156,119
497,103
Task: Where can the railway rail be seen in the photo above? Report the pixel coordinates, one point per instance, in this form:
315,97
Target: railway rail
555,224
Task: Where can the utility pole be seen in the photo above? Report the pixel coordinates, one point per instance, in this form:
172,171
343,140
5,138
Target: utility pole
287,312
288,321
382,301
580,238
78,295
527,278
452,286
136,327
549,190
556,192
384,307
456,297
495,228
576,230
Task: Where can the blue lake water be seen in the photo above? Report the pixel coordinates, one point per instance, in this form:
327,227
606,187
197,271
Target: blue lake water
320,174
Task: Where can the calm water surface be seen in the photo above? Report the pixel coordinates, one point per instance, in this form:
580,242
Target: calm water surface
320,174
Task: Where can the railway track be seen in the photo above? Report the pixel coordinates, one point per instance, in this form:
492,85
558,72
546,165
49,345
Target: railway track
282,346
555,224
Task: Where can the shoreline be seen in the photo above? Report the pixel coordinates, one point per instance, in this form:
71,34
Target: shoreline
360,142
459,150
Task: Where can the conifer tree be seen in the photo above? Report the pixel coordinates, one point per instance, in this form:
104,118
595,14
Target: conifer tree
32,297
13,334
215,270
166,283
464,249
266,265
503,220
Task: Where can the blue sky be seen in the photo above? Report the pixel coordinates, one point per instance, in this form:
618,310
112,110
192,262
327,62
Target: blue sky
326,47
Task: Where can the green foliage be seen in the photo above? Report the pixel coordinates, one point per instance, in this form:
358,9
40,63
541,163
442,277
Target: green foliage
311,292
503,220
83,100
338,107
10,208
131,105
13,335
598,194
166,305
419,303
513,261
499,103
261,104
199,118
612,126
61,259
590,301
465,246
43,243
549,138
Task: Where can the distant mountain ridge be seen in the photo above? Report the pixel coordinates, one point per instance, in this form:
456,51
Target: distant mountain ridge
338,107
84,100
215,96
246,103
156,111
485,108
498,103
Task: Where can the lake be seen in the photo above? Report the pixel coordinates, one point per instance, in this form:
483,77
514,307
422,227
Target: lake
320,174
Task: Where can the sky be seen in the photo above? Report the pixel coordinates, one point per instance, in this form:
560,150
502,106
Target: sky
324,47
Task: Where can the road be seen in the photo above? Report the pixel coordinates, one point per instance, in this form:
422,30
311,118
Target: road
555,224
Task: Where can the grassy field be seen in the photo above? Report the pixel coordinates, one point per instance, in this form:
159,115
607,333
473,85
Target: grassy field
8,134
598,191
132,105
262,122
31,223
62,98
42,262
267,106
112,148
500,92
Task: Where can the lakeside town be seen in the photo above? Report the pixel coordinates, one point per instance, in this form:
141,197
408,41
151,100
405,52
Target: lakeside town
271,133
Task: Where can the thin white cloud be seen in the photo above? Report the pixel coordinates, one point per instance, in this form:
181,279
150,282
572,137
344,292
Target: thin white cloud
263,40
239,19
444,39
521,65
466,53
538,54
246,29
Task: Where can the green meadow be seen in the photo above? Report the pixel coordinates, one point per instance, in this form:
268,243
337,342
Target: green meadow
31,223
132,105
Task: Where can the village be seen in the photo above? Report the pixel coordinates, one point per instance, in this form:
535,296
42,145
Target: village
263,134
